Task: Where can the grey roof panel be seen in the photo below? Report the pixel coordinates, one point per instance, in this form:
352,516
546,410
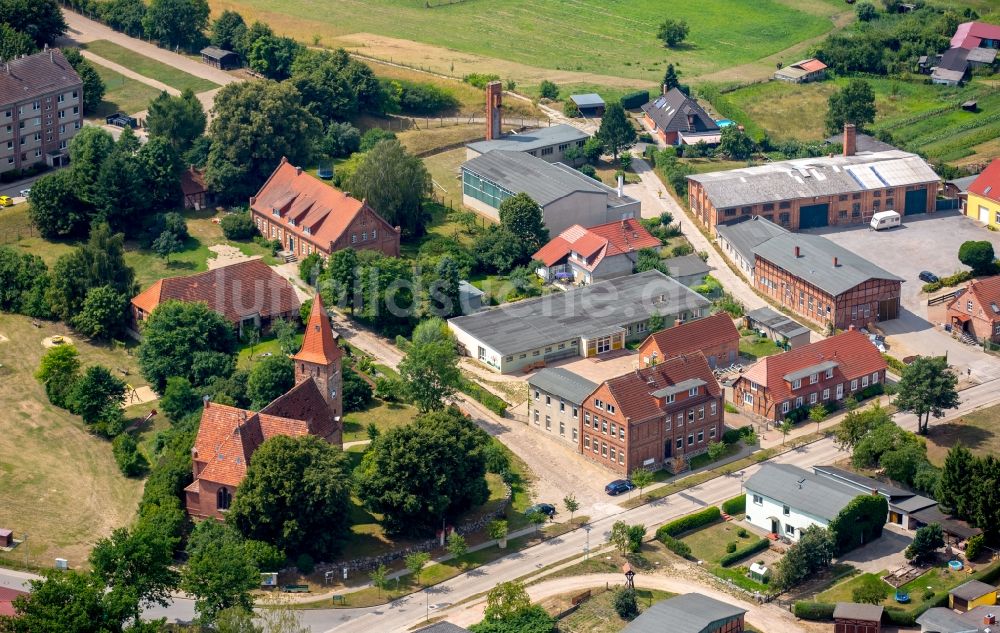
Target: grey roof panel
863,143
34,75
813,177
563,383
972,590
864,484
588,100
805,372
679,387
947,621
686,613
776,321
518,172
802,490
442,627
855,611
962,184
531,139
670,112
533,323
747,235
814,264
686,265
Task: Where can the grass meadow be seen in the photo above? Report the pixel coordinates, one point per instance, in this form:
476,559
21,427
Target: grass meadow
148,67
122,94
614,38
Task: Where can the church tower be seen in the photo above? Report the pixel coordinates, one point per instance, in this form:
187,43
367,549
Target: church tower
320,358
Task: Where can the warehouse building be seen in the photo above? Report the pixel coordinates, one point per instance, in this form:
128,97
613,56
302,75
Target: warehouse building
587,321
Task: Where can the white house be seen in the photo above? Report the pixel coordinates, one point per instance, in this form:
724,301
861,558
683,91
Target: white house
785,499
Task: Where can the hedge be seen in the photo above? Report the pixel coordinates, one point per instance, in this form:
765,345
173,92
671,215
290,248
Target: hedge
487,399
953,280
736,505
677,547
635,99
895,364
808,610
743,552
901,617
690,522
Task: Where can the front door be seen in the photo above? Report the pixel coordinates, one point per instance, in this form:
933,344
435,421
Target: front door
603,344
291,243
775,526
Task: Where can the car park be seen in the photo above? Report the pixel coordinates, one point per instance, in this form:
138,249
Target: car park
927,276
618,486
542,508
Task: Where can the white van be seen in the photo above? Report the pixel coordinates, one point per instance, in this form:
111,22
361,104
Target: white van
885,220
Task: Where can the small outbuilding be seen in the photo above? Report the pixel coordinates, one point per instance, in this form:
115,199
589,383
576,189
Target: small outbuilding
777,327
6,537
972,594
851,617
589,105
690,270
196,193
220,58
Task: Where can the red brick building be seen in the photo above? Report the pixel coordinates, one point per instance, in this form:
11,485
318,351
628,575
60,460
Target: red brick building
309,216
814,192
656,417
248,293
714,336
825,371
228,436
851,617
823,282
975,310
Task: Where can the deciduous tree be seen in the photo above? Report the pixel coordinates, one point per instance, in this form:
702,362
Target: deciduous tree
93,85
228,30
978,255
430,368
41,20
854,103
273,55
66,601
522,217
97,397
176,23
672,32
813,552
188,340
24,280
13,43
735,143
219,572
927,388
103,314
87,152
927,540
99,262
124,15
58,371
394,183
136,567
180,120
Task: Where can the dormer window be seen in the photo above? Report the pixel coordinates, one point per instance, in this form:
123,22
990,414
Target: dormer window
813,379
796,383
274,211
829,373
307,230
693,391
670,398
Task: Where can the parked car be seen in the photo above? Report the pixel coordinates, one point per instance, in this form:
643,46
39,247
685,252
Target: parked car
878,341
544,508
6,201
927,276
26,193
619,486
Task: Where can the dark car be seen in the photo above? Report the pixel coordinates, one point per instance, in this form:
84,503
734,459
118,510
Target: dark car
543,508
928,277
619,486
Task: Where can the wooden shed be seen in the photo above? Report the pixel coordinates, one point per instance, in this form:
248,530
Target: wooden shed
220,58
6,537
851,617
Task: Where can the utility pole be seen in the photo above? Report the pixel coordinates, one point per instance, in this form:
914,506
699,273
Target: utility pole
586,550
25,543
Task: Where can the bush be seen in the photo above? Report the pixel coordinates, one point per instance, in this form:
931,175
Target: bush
479,80
729,407
305,563
731,436
635,99
736,505
739,554
900,617
419,98
625,603
742,533
483,397
947,282
872,390
730,547
130,461
548,90
690,522
390,389
238,226
974,546
680,548
895,364
928,594
807,610
357,392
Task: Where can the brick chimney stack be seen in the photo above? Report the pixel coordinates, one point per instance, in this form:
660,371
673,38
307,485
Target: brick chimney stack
494,110
836,261
850,139
798,252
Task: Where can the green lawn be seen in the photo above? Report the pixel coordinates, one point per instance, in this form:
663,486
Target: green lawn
122,94
385,415
709,543
703,459
148,67
597,614
920,117
615,38
754,347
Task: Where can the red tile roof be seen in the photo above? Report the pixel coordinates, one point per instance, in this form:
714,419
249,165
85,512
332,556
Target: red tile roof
811,65
987,293
971,34
303,402
236,291
633,391
987,184
193,182
696,335
597,242
852,350
311,203
318,344
7,597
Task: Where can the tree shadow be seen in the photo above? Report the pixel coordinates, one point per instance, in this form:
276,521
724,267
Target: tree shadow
949,434
180,265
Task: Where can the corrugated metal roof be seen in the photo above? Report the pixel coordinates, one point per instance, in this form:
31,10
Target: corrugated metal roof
801,490
563,383
533,323
813,177
687,613
589,100
543,181
531,139
776,322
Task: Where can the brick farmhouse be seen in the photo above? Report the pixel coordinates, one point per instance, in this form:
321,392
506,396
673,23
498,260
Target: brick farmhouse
248,293
595,253
715,336
677,119
309,216
814,192
975,310
826,371
655,417
228,436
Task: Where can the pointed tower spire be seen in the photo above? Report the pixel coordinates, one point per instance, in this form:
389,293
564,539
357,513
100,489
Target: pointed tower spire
318,345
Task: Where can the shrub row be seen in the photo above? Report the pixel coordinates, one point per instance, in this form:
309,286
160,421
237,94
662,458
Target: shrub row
808,610
690,522
674,545
895,364
484,397
635,99
947,282
736,505
743,552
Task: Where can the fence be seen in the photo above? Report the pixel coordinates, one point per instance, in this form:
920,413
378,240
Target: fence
948,296
10,236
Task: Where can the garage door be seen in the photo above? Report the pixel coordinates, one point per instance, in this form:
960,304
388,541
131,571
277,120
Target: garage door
814,215
984,214
916,201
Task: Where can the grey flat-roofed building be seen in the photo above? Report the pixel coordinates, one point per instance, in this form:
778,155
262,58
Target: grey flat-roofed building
690,270
567,197
585,321
814,262
688,613
779,328
554,398
944,620
739,240
547,143
589,104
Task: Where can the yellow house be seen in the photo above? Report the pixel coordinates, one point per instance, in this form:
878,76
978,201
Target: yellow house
984,196
972,594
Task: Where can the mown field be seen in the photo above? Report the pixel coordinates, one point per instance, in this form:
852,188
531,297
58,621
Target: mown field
148,67
920,117
612,38
122,94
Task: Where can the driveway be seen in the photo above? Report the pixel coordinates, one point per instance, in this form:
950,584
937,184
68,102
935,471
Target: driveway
923,242
882,554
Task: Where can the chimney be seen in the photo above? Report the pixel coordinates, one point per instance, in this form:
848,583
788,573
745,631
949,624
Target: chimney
989,618
494,110
621,188
205,400
850,139
836,261
798,252
851,327
665,89
298,171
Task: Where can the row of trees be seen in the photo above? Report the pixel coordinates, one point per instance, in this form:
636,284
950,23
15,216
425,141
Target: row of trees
968,489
